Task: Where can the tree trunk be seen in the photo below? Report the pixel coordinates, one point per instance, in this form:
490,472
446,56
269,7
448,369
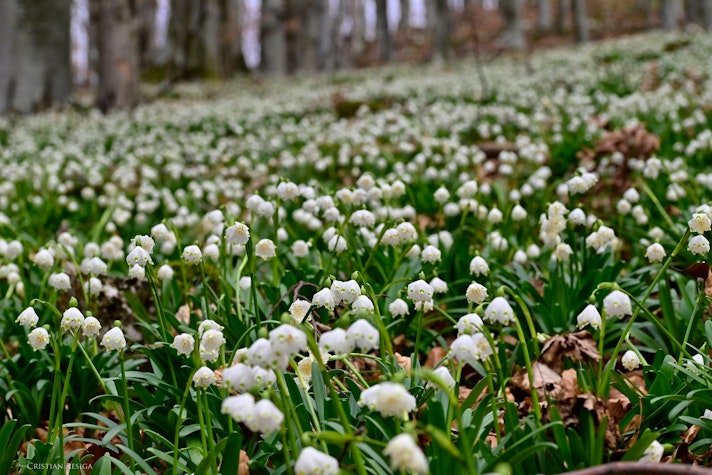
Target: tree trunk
443,26
580,21
311,17
693,12
707,13
274,51
119,54
404,22
544,15
293,29
327,40
35,71
194,29
382,31
147,33
358,42
563,14
513,28
668,12
231,56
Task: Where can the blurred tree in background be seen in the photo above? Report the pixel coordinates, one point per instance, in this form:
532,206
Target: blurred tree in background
210,39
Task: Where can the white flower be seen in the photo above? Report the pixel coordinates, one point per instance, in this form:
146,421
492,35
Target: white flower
265,249
577,217
59,281
469,324
206,325
160,231
405,455
138,256
192,254
298,310
630,360
90,327
212,252
476,293
439,286
238,234
363,218
266,417
261,353
314,462
239,377
470,348
72,319
300,248
441,195
38,338
245,282
336,341
362,305
390,399
589,316
698,245
655,252
28,318
137,272
420,291
500,311
478,266
93,286
288,340
363,335
617,304
113,339
444,374
165,272
518,213
700,223
562,252
398,308
208,354
95,266
239,407
347,291
324,298
44,259
204,377
336,244
430,254
212,340
184,344
654,452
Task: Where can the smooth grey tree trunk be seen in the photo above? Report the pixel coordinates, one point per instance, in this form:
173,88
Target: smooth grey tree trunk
693,12
358,42
580,21
35,70
513,25
274,47
119,54
327,38
147,32
383,33
668,13
443,27
404,22
544,15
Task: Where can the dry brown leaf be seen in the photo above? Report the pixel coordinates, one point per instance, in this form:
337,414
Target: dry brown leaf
435,355
569,384
183,314
403,361
243,467
546,381
577,346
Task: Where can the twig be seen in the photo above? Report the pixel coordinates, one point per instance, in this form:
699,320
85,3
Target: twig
645,468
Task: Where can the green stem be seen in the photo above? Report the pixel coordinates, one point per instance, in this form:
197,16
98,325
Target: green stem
527,317
495,404
201,421
694,318
603,385
530,372
127,410
179,421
